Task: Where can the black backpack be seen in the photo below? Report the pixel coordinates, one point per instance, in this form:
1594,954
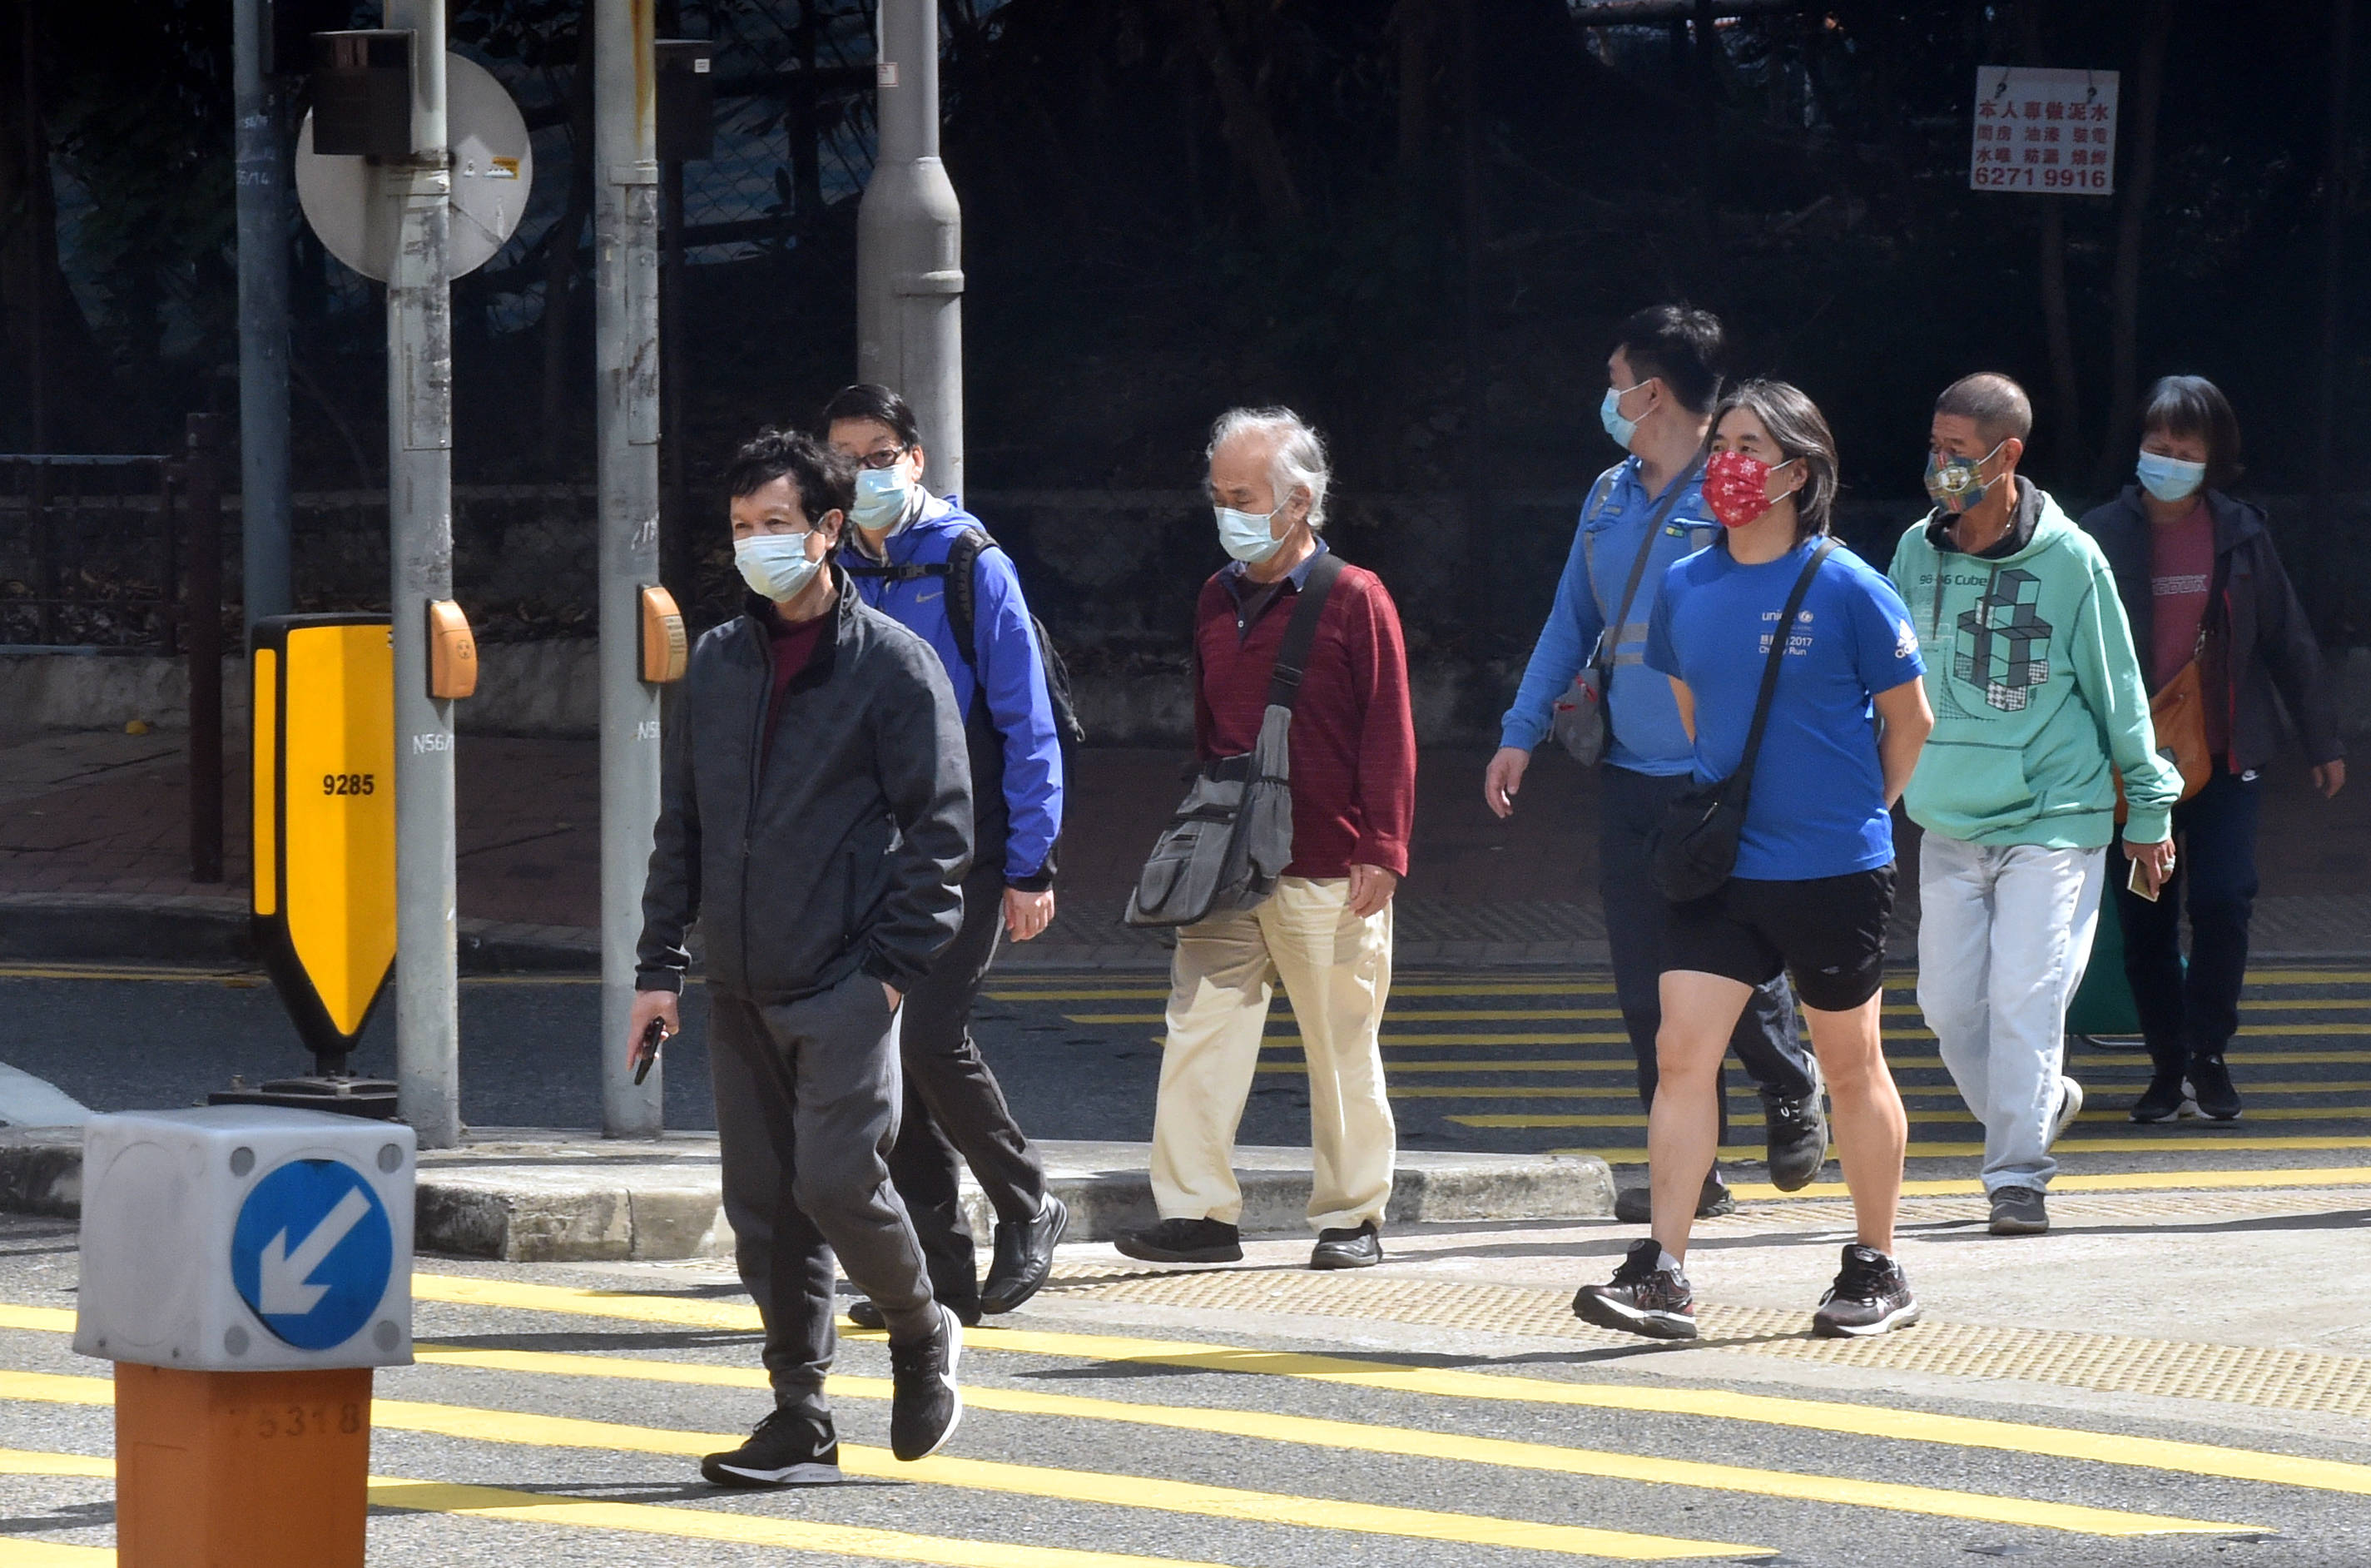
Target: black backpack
959,570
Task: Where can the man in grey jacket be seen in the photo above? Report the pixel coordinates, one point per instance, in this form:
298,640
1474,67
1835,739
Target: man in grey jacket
815,816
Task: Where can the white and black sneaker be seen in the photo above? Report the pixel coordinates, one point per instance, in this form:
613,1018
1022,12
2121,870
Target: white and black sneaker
1644,1297
790,1447
2070,1106
924,1404
1870,1295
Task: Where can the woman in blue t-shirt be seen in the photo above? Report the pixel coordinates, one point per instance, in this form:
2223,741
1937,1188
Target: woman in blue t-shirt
1813,885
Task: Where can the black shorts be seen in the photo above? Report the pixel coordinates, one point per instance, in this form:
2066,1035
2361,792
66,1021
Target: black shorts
1827,933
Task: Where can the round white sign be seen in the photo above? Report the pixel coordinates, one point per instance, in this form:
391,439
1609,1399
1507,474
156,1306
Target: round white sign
347,202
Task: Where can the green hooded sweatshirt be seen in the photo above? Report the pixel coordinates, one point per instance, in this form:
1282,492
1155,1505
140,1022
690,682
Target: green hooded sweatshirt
2035,687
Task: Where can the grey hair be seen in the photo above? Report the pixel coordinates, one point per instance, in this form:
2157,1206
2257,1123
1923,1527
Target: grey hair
1298,461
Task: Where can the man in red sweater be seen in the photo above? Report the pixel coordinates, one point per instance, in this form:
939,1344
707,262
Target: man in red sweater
1327,931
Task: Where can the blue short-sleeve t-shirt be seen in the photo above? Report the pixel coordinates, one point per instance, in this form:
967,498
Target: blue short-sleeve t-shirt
1817,806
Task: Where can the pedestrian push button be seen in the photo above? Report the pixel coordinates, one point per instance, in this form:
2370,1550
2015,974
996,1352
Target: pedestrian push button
452,651
665,648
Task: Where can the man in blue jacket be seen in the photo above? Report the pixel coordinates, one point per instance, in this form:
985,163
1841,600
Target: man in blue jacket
1663,384
898,551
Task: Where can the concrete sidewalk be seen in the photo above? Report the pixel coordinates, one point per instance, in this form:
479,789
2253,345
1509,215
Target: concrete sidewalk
537,1195
94,861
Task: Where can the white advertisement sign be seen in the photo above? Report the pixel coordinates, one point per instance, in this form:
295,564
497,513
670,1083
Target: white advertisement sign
2049,132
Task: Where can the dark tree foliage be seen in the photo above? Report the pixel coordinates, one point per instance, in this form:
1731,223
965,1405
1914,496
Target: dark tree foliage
1172,205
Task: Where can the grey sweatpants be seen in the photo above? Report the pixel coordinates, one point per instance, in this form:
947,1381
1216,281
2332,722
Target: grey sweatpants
2004,934
806,1109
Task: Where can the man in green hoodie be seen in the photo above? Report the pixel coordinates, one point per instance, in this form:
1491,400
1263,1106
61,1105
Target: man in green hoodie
2039,704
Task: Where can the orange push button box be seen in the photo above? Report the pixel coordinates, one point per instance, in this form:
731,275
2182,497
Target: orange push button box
452,651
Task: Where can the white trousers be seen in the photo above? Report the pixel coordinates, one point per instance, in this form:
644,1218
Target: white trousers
1336,971
2004,934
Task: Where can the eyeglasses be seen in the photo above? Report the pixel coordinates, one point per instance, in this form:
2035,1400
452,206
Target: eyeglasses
885,457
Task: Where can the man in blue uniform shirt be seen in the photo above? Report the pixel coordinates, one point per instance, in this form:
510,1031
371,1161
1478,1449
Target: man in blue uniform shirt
1662,382
896,553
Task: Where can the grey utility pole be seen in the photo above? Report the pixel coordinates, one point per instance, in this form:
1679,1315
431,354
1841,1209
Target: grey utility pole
263,163
625,239
420,518
910,245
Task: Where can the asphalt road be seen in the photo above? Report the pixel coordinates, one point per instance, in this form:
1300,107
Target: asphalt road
1478,1061
1083,1439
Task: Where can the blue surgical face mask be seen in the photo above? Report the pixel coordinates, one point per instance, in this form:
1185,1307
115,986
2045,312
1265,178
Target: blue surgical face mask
882,498
1246,536
2169,479
1609,414
775,565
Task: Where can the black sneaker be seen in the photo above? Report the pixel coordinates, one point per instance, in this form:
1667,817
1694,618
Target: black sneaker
1025,1256
1184,1241
1796,1139
1644,1297
1359,1249
865,1314
790,1447
1636,1205
924,1404
2020,1211
2210,1084
1869,1296
2166,1098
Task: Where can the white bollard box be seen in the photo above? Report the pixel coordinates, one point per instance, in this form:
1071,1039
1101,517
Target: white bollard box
246,1238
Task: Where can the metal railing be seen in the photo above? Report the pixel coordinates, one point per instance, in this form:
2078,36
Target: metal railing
90,553
94,558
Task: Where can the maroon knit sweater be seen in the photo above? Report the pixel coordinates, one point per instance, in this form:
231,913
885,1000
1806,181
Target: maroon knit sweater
1353,736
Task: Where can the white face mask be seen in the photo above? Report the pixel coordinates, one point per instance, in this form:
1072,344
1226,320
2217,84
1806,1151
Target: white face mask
776,565
1245,535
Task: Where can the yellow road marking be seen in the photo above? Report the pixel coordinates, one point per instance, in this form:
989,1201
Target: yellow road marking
1909,1091
1283,1018
43,1319
1406,1442
1823,1415
2131,1181
1898,1062
546,1508
1153,1493
740,1529
21,1461
2140,1144
1959,1116
17,1553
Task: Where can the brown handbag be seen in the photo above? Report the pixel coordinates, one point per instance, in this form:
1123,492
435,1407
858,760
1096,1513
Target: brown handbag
2177,714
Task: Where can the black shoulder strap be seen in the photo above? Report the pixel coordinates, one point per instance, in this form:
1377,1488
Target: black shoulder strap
963,563
1778,641
1292,653
1611,638
960,569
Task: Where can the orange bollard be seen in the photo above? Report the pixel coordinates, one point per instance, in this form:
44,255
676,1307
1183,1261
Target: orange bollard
241,1470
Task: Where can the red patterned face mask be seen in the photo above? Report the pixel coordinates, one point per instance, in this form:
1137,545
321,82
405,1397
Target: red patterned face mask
1737,487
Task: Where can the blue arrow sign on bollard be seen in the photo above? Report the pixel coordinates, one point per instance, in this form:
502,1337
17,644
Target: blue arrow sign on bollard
311,1252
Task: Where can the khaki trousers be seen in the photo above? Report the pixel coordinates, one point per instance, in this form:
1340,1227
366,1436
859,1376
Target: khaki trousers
1336,971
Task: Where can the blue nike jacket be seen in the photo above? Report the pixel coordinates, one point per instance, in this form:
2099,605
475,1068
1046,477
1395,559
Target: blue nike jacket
1000,685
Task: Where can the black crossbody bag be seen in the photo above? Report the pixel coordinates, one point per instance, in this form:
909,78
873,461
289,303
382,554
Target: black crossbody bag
1696,842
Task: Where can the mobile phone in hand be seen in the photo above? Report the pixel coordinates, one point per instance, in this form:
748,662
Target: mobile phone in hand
2137,880
646,1050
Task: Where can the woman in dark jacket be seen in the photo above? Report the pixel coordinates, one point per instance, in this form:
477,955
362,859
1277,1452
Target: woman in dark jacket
2200,580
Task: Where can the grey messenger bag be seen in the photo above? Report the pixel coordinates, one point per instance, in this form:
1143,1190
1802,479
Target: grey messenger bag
1231,837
